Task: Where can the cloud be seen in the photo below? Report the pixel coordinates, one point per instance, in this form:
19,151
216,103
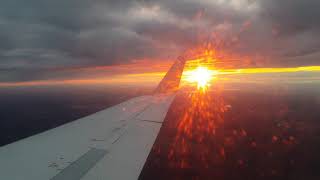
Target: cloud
40,35
292,16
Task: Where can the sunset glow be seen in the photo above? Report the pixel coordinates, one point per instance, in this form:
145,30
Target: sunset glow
201,75
270,70
204,75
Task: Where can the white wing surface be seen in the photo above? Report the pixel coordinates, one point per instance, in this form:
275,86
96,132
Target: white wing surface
110,144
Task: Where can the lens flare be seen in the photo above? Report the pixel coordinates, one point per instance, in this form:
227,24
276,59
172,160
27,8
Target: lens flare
201,75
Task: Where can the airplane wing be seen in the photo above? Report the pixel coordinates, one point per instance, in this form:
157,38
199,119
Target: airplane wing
110,144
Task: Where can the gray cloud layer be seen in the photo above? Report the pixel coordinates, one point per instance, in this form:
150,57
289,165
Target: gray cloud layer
36,35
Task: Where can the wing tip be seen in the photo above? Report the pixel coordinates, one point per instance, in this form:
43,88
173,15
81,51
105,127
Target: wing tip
171,81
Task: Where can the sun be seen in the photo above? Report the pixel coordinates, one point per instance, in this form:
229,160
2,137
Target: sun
201,75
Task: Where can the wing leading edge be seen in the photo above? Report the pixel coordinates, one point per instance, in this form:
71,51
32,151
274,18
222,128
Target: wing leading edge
110,144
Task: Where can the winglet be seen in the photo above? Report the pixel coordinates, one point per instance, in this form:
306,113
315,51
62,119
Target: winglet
171,80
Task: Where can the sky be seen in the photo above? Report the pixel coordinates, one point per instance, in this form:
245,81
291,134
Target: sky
89,39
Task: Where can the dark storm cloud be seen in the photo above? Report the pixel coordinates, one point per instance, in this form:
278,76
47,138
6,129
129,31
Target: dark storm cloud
39,35
296,27
47,26
292,16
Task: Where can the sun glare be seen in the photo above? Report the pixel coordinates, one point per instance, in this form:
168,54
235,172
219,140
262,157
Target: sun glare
201,75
